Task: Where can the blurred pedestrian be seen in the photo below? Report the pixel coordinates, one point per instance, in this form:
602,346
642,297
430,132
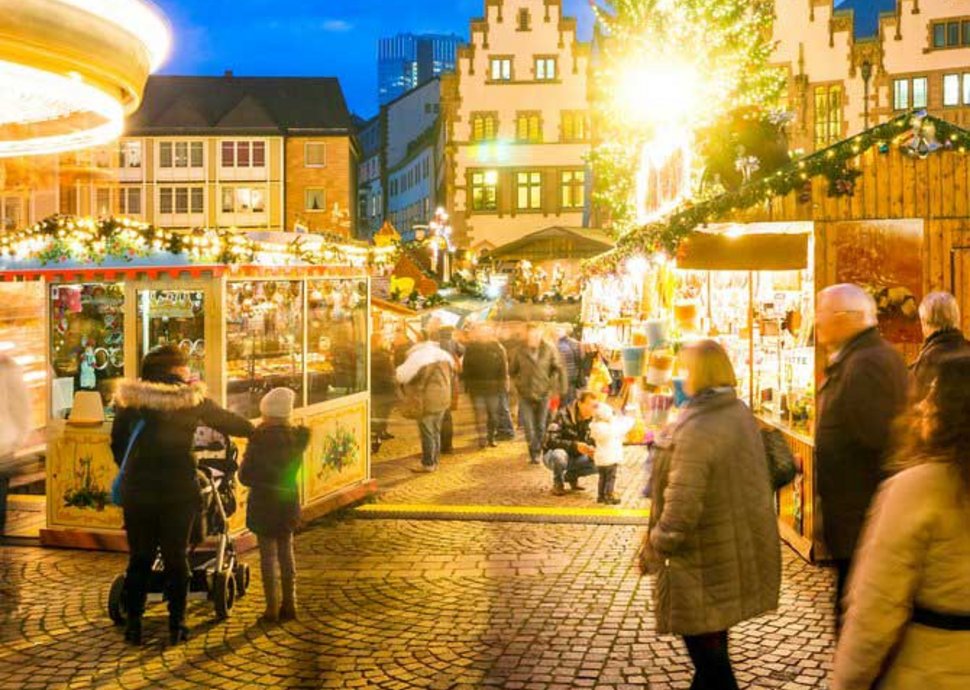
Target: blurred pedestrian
14,424
570,452
713,542
509,338
401,345
907,621
538,376
444,336
383,390
426,378
865,387
608,432
574,366
485,371
270,466
939,315
159,489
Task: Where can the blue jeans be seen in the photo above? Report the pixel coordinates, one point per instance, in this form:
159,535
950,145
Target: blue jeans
430,428
506,430
566,467
534,415
488,409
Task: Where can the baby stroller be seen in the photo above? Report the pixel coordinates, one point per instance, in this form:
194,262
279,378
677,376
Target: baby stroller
216,573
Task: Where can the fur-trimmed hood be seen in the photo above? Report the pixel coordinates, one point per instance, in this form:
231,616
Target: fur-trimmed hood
161,397
420,356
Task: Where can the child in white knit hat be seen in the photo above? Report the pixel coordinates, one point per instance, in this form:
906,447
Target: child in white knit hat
273,459
608,434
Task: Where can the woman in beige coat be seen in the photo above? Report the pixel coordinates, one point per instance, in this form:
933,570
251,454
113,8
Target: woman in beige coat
908,608
713,542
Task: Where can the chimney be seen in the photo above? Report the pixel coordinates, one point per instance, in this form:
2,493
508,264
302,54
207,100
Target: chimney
228,74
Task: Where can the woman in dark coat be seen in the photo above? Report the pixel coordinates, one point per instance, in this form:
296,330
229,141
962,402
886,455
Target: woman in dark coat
273,459
159,489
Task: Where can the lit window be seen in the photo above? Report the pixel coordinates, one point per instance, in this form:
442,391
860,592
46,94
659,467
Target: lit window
528,190
573,186
921,92
501,69
131,154
528,127
315,199
11,213
966,88
951,89
828,115
484,126
574,127
316,155
901,94
545,68
485,190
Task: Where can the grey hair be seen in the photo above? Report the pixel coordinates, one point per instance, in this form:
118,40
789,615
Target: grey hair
940,310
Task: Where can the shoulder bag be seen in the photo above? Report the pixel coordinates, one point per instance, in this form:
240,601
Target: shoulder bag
781,461
116,484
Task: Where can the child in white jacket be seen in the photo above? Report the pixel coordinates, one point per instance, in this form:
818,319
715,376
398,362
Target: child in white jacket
608,433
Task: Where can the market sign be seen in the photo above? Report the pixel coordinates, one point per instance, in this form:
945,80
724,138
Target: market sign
744,252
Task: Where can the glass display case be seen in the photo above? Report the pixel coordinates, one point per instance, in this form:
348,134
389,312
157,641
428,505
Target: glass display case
336,342
264,342
173,317
86,340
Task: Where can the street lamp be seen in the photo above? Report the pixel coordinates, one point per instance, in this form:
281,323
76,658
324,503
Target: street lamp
866,76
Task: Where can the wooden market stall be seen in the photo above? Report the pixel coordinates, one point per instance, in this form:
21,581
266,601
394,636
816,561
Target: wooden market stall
251,315
888,209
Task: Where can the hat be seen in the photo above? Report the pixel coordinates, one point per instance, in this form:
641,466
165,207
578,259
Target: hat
87,410
278,403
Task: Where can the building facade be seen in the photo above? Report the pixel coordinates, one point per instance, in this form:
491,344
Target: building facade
515,115
862,62
406,61
370,191
218,152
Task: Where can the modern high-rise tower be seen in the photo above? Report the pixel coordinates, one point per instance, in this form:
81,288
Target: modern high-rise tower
409,60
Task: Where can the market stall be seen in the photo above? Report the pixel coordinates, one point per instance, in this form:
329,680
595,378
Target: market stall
887,209
251,315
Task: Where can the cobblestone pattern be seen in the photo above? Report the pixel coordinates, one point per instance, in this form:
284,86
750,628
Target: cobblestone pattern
402,604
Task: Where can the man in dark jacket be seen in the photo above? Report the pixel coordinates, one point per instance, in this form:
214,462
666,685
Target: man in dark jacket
865,388
486,372
538,375
569,448
571,352
939,315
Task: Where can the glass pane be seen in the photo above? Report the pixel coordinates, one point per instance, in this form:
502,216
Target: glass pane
165,155
227,200
181,154
196,154
336,339
919,92
228,154
259,154
87,341
181,200
939,35
951,90
173,317
134,201
165,200
198,200
264,342
242,154
953,34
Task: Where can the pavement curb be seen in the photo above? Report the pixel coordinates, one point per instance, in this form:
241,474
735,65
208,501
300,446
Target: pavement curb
534,514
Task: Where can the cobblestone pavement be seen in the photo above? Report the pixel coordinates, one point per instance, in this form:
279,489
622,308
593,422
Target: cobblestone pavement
409,604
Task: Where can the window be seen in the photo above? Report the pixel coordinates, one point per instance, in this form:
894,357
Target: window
501,69
102,202
901,94
920,92
484,126
315,199
180,154
11,213
528,126
573,187
525,20
243,200
485,190
574,126
130,201
315,155
131,154
951,89
426,168
951,34
228,154
528,190
966,88
828,115
181,200
545,68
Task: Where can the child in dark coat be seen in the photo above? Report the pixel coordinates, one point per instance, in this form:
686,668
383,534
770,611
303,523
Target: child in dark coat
270,466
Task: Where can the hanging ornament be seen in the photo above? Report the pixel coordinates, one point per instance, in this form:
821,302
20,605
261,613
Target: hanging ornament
842,180
922,140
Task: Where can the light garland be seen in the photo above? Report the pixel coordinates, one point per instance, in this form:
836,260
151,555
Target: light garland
916,134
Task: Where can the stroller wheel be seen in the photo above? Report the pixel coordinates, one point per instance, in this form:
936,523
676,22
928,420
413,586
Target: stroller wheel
116,601
223,593
241,575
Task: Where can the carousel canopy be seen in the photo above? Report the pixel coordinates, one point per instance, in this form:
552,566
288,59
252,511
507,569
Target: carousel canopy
555,243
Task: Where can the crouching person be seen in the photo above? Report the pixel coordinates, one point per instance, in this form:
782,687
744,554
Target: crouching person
270,466
570,453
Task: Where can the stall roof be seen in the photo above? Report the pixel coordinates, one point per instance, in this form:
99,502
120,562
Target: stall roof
556,242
